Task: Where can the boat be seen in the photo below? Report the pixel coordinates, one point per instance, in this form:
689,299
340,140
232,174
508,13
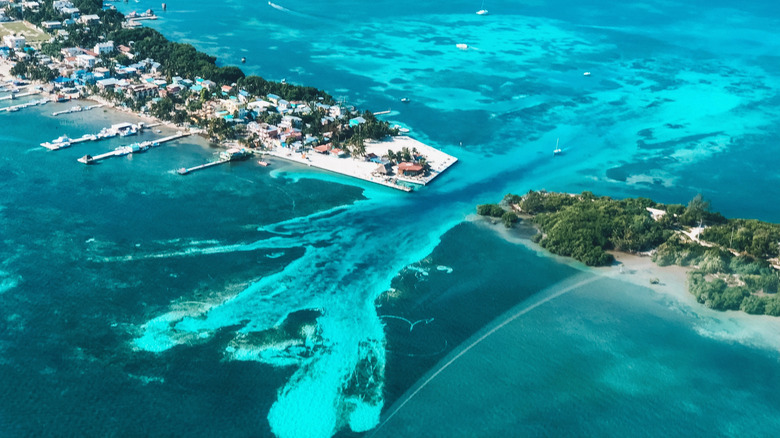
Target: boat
86,159
403,130
76,109
106,133
132,130
263,163
405,100
61,142
182,171
243,60
557,150
158,130
587,73
482,10
123,150
462,46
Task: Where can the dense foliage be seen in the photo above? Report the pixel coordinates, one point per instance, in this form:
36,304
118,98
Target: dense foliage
585,227
32,70
759,239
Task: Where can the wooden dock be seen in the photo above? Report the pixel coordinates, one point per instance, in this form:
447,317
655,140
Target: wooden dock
74,110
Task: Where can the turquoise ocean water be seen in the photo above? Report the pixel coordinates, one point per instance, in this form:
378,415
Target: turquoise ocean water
139,302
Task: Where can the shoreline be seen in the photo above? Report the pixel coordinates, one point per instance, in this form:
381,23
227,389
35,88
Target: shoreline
365,170
731,326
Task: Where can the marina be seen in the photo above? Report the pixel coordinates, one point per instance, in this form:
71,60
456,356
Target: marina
121,129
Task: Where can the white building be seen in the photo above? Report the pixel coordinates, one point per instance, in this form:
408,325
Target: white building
14,42
31,5
103,48
86,19
86,61
50,25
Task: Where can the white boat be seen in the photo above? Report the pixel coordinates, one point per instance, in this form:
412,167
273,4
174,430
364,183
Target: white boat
587,73
557,150
462,46
130,131
123,150
482,10
263,163
405,100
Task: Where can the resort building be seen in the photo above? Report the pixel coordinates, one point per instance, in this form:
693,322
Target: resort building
141,91
409,169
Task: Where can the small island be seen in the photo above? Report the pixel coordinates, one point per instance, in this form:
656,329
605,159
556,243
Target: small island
87,49
733,262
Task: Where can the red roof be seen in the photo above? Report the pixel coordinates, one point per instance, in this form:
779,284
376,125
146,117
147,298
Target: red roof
321,149
411,167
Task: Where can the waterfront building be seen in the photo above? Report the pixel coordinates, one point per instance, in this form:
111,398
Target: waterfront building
409,169
141,91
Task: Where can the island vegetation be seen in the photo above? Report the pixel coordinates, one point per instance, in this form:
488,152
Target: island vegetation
734,262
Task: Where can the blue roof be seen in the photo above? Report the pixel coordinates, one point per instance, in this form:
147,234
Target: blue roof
63,79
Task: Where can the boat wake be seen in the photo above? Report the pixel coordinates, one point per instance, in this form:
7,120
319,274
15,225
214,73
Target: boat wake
531,304
290,11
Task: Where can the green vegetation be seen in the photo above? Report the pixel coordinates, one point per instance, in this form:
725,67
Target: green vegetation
508,217
731,272
759,239
31,69
585,227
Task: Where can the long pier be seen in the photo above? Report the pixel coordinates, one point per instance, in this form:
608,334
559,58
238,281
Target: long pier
24,105
14,96
76,109
131,149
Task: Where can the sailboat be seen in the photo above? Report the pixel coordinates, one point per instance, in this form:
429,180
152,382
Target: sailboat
557,150
482,10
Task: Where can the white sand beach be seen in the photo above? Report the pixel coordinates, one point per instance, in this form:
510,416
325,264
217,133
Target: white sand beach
367,170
